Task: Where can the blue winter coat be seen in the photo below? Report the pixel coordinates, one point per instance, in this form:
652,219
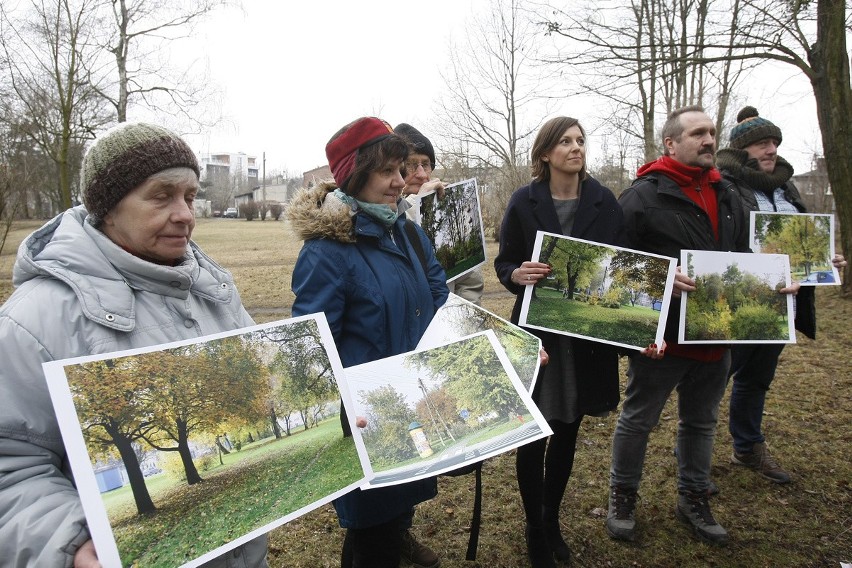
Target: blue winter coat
378,302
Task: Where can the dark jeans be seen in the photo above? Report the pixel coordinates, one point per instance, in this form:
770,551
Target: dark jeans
375,547
700,387
752,368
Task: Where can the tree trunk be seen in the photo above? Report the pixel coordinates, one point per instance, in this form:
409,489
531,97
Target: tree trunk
192,476
274,419
833,94
144,504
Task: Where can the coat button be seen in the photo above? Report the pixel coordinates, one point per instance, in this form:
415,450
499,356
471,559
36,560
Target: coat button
417,312
188,323
109,317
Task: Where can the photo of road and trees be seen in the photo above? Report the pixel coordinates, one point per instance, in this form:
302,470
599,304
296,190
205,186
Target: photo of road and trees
736,298
599,292
215,439
434,410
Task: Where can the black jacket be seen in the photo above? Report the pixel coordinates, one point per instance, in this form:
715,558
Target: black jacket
659,218
598,219
805,299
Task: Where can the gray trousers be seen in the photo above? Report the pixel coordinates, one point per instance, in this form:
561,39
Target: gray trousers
700,387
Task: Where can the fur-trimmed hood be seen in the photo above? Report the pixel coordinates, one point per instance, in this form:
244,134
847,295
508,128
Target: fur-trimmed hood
316,213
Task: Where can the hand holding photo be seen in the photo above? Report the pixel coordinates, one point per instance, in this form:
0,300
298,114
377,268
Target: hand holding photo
807,238
736,298
599,292
253,413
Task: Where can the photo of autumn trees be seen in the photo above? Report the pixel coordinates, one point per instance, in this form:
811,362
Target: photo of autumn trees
454,225
736,298
216,438
429,411
808,239
599,292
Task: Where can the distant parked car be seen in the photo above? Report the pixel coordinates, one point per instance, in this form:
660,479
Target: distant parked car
217,213
230,212
819,277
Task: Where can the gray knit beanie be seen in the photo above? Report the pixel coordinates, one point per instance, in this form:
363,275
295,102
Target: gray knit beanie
751,128
126,156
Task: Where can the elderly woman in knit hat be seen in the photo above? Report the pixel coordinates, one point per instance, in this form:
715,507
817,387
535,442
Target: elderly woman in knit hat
763,180
117,273
375,276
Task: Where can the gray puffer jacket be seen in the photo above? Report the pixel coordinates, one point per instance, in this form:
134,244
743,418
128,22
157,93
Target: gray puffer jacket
79,294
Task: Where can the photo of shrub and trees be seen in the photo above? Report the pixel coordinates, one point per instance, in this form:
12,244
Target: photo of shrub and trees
736,299
434,410
808,239
185,451
458,318
454,225
599,292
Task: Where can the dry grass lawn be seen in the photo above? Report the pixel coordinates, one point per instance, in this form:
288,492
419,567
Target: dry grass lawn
807,423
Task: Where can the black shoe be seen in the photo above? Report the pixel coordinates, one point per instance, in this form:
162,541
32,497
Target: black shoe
538,550
557,544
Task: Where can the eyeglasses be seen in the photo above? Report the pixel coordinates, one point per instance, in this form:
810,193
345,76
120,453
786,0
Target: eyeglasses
412,166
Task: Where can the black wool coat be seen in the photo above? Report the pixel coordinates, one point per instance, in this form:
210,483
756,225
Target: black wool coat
599,219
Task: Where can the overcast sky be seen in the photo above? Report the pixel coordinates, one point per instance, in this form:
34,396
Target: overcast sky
293,73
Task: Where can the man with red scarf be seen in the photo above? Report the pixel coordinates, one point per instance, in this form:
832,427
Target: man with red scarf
679,201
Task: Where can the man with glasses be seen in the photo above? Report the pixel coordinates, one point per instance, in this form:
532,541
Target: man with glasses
419,167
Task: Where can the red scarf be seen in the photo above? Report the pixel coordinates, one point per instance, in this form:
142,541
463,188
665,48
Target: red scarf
693,181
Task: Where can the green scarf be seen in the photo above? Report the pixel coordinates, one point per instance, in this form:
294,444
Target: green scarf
747,169
378,211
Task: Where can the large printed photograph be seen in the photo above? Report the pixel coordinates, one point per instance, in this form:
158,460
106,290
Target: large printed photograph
430,411
807,238
736,298
599,292
454,225
186,450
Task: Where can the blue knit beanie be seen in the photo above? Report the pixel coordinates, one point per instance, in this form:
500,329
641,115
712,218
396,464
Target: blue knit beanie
752,128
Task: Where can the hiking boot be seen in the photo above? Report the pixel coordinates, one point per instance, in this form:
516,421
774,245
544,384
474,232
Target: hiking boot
620,524
693,509
712,488
761,461
416,554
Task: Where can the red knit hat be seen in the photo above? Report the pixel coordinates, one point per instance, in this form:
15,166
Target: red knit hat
342,150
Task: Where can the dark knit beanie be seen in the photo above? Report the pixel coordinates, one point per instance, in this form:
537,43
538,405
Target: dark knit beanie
342,149
123,158
752,128
419,142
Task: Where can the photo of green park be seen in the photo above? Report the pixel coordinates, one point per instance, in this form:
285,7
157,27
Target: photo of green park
454,224
808,239
599,292
433,410
736,299
193,447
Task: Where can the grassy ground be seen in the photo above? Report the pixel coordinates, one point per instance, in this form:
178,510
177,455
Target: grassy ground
807,523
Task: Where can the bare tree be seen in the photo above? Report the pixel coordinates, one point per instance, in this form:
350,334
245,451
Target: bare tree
485,118
141,34
645,58
45,47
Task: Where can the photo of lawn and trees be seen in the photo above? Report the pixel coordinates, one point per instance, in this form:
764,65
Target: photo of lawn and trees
216,439
433,410
599,292
736,298
454,225
808,239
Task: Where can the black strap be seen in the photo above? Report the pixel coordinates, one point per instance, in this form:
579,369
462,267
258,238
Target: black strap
416,243
475,520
